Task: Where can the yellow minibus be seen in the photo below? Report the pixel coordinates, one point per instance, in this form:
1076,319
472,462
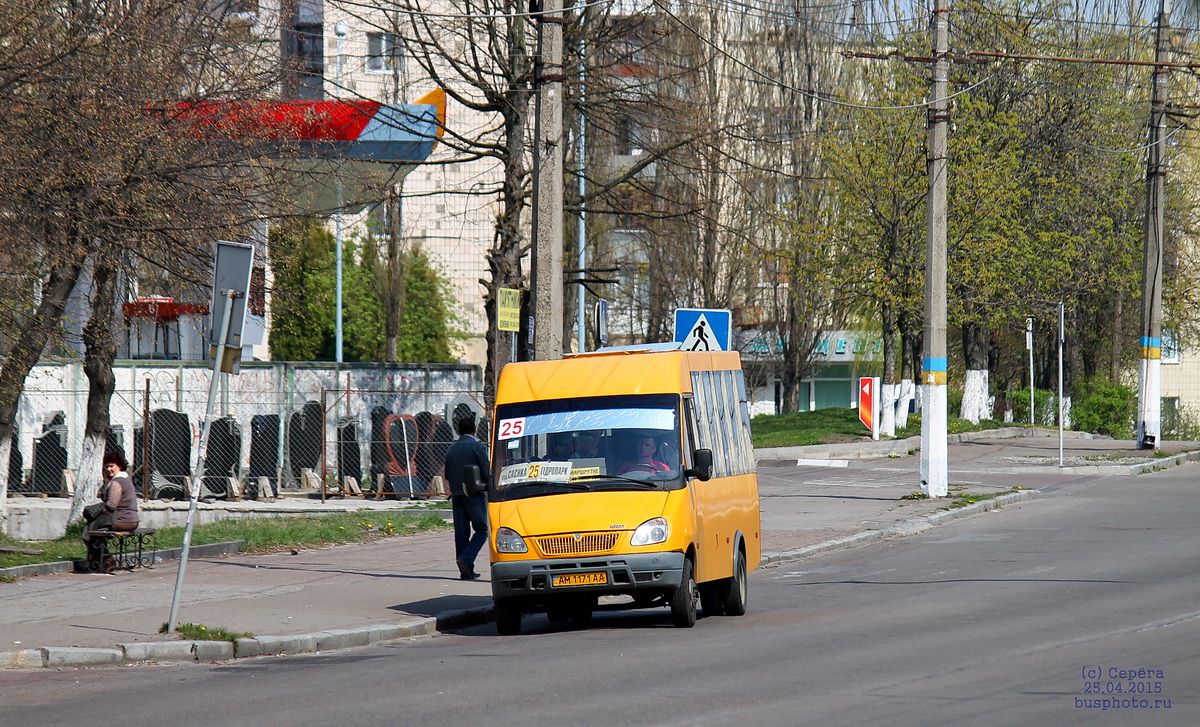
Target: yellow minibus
622,472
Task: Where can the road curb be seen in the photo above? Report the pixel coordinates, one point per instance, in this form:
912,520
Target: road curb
213,651
908,527
210,550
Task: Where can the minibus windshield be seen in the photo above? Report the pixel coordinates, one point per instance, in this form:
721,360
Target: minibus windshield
610,442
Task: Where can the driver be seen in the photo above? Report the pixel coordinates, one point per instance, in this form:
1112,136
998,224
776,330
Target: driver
643,460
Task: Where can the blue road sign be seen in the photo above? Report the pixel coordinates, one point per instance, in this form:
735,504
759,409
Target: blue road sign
703,329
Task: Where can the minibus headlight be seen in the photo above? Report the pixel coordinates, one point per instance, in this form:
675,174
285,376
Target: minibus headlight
507,541
650,532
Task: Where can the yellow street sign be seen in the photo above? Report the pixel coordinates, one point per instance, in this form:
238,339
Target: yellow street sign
508,309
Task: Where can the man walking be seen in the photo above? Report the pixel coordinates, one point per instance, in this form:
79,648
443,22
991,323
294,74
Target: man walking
470,511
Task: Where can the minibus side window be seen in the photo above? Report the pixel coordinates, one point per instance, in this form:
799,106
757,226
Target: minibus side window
727,422
712,425
737,450
743,424
720,409
702,411
689,424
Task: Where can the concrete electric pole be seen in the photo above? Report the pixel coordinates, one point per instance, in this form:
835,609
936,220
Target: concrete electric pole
547,276
934,477
1149,369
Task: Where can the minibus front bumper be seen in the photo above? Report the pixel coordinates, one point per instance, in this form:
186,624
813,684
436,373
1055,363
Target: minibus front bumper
614,574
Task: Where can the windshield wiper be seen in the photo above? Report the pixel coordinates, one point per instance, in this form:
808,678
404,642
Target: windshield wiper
640,483
547,483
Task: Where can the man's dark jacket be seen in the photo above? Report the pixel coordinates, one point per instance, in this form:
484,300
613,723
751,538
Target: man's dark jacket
467,450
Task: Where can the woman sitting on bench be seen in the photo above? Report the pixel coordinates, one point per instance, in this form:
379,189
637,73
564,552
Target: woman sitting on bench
117,510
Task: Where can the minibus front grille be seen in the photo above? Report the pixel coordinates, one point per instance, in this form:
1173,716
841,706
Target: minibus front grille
579,543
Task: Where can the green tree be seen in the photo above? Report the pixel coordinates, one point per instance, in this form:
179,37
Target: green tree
303,322
302,317
878,166
430,325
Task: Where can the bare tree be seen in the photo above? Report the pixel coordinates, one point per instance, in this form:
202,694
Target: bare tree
103,170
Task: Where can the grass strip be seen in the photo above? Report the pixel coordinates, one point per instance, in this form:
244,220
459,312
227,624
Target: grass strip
825,426
196,632
258,535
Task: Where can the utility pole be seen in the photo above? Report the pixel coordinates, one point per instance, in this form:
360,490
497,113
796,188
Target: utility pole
340,30
1149,368
1032,392
547,261
581,247
934,477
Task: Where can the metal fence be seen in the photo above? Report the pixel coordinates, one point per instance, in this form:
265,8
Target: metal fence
377,430
387,451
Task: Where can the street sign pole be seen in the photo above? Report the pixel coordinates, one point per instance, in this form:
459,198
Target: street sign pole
1029,345
232,266
1062,332
199,479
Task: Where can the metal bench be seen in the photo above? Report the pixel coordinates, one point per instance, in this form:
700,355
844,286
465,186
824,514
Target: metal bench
127,549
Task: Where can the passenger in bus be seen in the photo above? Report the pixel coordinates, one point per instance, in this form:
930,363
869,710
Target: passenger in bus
560,446
644,458
587,446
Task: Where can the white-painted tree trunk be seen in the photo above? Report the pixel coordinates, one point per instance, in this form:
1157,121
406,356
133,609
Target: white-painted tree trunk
888,393
975,401
87,483
908,391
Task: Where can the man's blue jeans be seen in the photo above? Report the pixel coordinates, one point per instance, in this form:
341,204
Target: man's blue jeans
469,513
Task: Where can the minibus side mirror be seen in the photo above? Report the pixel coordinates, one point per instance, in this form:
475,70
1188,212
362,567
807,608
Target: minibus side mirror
471,484
702,459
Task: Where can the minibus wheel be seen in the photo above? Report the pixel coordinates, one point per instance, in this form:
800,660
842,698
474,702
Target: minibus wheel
508,617
683,600
734,591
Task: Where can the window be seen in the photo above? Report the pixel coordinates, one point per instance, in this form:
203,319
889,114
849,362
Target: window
1170,348
630,137
310,48
384,51
303,56
585,439
743,426
241,7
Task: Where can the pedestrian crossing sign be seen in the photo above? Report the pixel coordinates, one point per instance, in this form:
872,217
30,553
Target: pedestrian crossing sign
703,329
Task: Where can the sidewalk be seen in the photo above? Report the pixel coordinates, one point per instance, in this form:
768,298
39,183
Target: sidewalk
357,594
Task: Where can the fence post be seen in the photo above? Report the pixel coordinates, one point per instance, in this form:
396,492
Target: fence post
324,424
146,470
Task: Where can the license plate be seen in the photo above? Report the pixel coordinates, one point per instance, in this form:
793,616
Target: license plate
581,579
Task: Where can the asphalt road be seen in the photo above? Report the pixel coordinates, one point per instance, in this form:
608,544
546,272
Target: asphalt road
1011,618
